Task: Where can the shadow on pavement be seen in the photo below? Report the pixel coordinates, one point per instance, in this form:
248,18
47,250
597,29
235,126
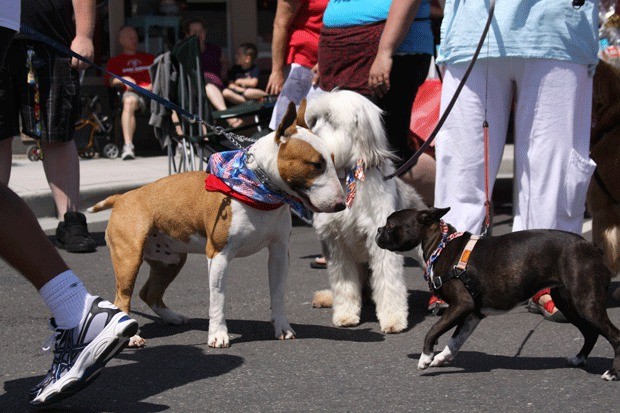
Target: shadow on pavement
123,388
251,331
476,362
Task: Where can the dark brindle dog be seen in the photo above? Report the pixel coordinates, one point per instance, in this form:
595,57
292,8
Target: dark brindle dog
502,272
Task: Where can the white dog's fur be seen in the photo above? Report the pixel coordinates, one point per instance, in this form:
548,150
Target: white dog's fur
352,128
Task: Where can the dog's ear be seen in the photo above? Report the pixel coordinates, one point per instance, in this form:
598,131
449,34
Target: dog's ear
301,114
287,121
434,214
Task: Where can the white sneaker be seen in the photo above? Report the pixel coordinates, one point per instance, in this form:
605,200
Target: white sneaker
127,153
81,352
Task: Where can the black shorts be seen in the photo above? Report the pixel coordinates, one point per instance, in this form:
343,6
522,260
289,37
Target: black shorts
58,86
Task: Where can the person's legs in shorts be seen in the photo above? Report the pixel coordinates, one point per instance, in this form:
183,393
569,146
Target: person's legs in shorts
62,291
58,90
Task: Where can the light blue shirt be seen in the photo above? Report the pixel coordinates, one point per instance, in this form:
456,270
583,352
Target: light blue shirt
547,29
347,13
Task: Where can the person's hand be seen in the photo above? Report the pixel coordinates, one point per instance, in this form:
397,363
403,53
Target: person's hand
275,83
379,76
83,46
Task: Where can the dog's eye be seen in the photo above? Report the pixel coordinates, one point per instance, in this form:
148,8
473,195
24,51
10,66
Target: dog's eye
317,165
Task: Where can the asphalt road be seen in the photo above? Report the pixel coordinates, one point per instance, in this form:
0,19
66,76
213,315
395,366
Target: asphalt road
512,363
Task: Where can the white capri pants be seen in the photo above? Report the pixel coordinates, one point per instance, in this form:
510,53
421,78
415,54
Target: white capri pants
298,85
553,104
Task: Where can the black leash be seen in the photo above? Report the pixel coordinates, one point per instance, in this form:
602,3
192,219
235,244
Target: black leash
414,158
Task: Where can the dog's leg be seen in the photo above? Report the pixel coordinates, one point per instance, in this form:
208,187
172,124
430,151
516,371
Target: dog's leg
461,334
461,306
153,290
278,273
389,291
589,314
346,288
218,331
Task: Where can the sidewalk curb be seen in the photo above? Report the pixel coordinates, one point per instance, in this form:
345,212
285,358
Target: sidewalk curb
43,205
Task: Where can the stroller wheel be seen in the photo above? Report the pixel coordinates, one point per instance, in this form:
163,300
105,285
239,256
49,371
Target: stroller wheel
32,153
110,150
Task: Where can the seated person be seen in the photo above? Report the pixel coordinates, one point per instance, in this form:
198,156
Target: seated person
211,65
243,77
133,66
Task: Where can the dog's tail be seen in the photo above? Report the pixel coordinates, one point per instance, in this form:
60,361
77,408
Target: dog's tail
105,204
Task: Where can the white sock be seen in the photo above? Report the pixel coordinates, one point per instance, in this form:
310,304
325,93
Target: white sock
67,298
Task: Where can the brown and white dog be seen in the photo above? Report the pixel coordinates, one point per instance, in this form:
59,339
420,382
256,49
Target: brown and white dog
501,272
603,197
162,222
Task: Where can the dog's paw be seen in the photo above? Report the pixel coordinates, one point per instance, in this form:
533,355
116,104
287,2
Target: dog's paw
345,320
169,316
283,330
136,342
608,376
576,361
323,299
393,324
219,340
425,361
442,358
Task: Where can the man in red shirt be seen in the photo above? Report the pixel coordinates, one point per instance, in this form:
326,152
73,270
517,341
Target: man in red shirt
131,65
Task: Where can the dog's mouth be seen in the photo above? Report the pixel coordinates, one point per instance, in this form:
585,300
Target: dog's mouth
330,207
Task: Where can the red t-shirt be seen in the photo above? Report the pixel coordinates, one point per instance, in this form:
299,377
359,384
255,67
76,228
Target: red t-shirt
135,66
304,43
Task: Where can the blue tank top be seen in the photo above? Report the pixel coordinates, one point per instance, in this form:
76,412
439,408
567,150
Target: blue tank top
346,13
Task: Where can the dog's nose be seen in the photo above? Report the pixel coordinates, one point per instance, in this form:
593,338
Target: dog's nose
340,207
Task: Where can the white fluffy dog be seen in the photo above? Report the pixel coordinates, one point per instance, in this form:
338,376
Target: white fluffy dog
352,128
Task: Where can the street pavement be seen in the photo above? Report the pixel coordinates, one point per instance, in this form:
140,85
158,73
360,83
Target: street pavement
512,363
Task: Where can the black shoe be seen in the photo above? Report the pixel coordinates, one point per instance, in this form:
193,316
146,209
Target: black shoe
72,234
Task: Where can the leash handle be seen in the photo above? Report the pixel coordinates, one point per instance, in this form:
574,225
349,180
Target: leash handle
414,158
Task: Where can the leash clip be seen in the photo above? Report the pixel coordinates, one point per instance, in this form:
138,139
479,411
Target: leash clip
437,283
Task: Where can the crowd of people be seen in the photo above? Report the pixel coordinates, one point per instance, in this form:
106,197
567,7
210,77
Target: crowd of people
380,48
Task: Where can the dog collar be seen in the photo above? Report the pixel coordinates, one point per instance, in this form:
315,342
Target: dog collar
231,168
445,238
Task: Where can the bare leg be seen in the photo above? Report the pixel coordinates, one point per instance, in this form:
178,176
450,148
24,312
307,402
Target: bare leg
128,118
6,157
19,231
254,93
214,94
233,97
62,169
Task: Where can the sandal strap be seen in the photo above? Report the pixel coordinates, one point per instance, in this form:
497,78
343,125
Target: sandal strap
539,294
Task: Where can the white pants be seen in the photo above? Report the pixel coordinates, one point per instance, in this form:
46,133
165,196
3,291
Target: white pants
298,85
553,102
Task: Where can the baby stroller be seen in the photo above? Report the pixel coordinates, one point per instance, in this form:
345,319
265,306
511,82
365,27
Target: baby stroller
92,134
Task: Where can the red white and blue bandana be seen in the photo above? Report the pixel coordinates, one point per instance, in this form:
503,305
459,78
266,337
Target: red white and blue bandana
229,174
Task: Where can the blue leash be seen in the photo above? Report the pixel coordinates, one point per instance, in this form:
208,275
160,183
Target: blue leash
34,34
